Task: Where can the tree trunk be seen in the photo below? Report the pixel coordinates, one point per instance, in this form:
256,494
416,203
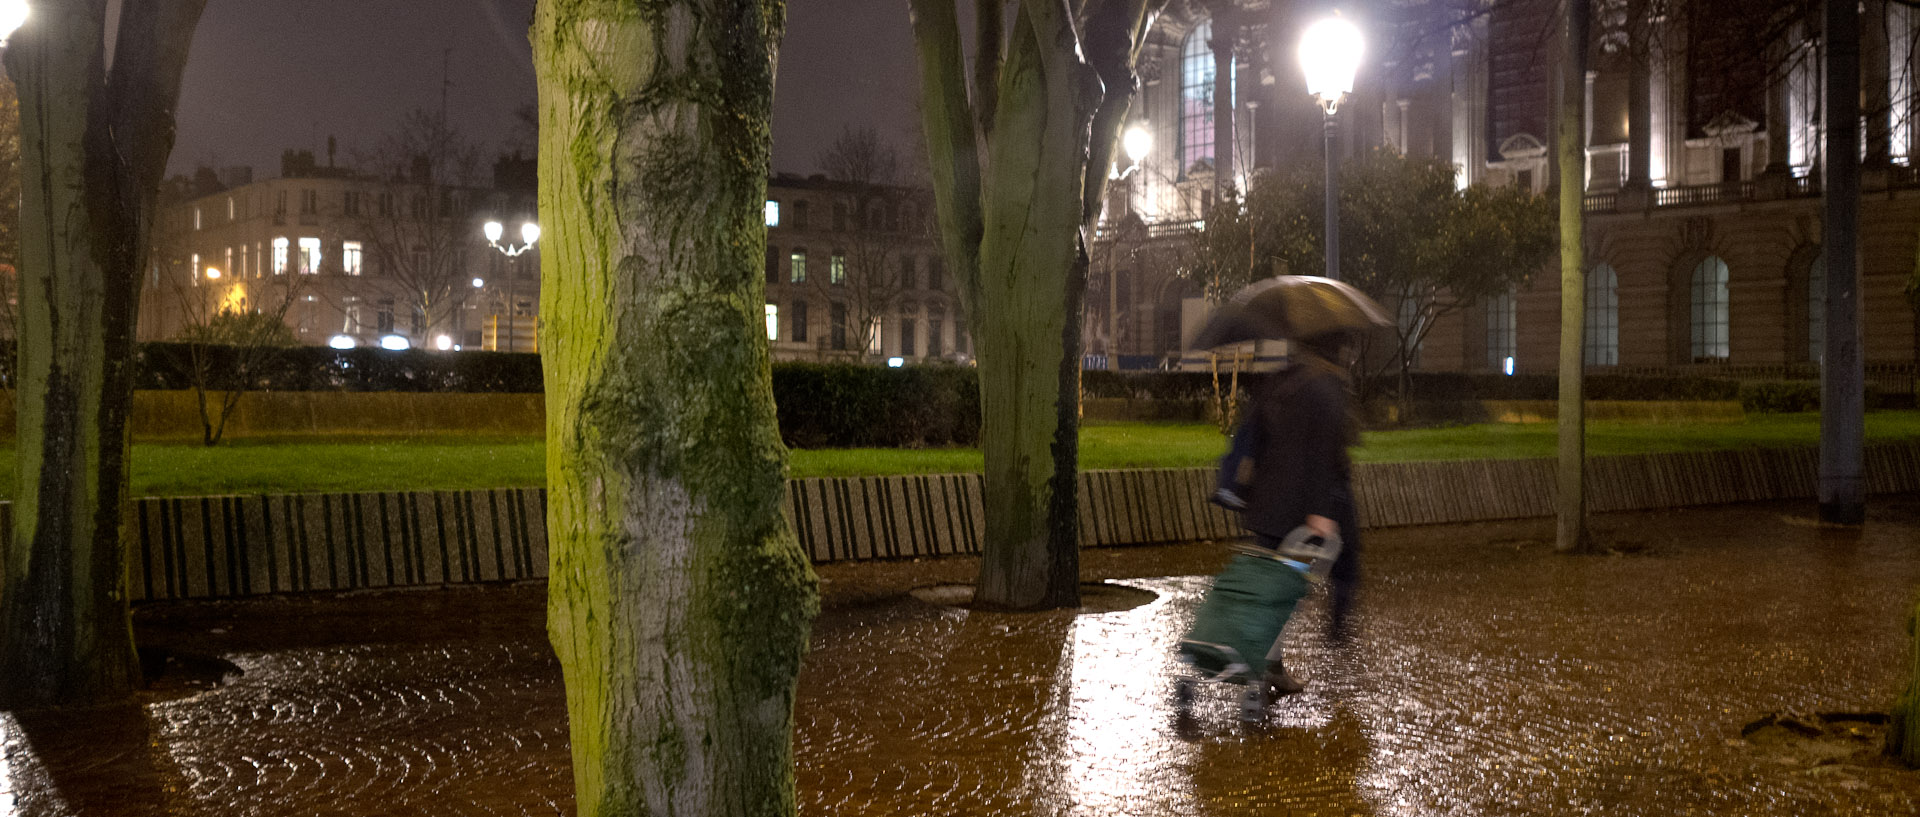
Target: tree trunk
1030,256
94,147
1903,734
679,600
1842,371
1014,237
1570,509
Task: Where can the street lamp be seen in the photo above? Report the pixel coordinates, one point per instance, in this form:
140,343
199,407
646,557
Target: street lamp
13,13
1329,56
529,233
1136,142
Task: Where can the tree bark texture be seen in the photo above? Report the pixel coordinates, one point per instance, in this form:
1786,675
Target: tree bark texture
1570,511
94,145
1013,218
679,601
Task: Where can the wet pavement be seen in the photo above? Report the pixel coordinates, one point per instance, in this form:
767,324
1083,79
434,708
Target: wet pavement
1490,677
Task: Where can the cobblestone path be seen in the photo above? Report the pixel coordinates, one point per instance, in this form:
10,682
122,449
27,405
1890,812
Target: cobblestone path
1491,677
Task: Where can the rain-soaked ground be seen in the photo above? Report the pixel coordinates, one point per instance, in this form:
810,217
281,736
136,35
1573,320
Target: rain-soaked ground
1490,677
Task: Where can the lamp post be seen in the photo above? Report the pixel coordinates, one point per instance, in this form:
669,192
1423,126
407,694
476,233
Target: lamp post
1329,56
529,233
1136,142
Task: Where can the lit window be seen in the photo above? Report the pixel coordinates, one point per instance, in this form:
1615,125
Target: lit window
230,208
837,269
229,265
773,322
773,213
309,255
797,267
196,218
350,257
197,272
1500,320
1603,316
279,256
1710,310
1196,98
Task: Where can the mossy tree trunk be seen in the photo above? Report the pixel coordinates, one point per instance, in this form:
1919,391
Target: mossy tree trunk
1047,100
679,600
1903,734
1570,145
94,145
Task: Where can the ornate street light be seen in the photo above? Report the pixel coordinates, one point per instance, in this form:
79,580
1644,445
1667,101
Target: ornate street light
1329,56
529,233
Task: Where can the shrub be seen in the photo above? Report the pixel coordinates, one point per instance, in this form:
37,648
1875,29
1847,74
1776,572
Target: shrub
317,368
825,405
1779,396
1154,385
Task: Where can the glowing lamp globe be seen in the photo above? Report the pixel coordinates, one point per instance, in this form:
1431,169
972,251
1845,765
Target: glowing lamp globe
1136,142
1329,56
13,14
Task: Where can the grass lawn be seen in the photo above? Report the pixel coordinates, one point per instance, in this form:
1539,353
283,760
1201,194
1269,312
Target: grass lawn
449,462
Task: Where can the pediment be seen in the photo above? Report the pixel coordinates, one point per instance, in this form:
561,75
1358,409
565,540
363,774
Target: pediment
1522,146
1730,123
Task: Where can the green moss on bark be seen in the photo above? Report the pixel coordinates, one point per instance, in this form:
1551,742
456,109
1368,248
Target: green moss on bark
679,601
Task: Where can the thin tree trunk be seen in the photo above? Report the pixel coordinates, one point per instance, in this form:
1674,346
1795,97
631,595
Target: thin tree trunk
1029,252
94,146
1842,371
679,601
1015,241
1571,504
1570,509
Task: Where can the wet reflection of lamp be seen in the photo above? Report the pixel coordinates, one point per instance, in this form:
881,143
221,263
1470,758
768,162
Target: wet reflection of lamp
1330,56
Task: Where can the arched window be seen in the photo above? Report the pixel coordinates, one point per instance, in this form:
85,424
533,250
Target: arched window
1196,97
1817,308
1710,310
1501,317
1603,316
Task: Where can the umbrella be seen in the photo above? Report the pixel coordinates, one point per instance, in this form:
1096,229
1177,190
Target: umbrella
1289,306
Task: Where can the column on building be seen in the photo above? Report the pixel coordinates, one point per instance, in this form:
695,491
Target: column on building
1639,96
1468,99
1875,106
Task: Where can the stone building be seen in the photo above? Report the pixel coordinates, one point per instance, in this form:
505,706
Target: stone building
854,273
1705,212
347,259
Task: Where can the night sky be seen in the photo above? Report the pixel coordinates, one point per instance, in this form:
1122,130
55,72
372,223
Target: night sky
266,75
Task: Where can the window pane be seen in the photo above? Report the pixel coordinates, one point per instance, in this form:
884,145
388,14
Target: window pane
1710,310
1603,317
1817,309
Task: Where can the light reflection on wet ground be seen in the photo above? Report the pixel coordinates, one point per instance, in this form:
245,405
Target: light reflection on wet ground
1492,678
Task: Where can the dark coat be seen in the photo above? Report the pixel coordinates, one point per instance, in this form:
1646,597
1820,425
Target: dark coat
1300,467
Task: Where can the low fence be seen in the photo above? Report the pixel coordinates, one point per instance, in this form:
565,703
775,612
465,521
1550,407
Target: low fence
214,547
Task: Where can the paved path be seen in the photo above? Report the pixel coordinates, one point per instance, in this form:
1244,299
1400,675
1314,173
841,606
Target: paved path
1491,678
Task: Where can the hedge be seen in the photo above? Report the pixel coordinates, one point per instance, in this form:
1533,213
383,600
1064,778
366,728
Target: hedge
318,368
825,405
